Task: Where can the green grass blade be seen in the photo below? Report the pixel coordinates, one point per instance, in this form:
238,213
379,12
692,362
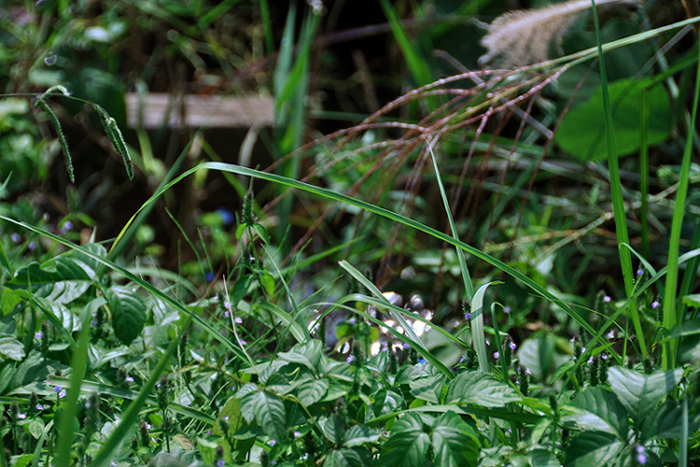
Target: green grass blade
131,415
88,387
477,325
616,190
383,212
466,277
267,25
644,173
69,407
418,67
671,313
358,276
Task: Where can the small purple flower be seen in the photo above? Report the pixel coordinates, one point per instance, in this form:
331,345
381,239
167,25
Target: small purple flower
57,389
467,316
641,457
512,346
351,321
640,271
220,463
148,425
226,314
93,323
129,379
272,442
496,355
487,342
66,227
506,310
350,359
226,418
227,305
654,304
39,335
62,394
39,407
32,246
296,434
21,416
238,320
15,237
607,299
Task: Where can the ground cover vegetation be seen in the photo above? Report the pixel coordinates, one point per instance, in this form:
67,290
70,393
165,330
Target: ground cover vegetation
467,239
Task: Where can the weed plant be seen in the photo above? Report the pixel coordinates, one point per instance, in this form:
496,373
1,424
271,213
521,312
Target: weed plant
108,362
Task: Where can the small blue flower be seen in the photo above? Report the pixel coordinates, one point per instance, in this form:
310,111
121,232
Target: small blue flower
15,237
220,463
32,246
506,310
209,276
467,316
421,360
39,335
226,215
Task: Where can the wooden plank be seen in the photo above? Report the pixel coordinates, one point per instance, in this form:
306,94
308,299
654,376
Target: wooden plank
195,111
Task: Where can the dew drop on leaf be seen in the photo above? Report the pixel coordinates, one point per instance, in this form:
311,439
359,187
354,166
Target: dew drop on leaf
50,59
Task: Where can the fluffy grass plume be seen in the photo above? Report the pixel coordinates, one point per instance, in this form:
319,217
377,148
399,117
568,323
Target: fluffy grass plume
520,38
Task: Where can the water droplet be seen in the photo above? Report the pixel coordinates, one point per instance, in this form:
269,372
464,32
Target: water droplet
50,59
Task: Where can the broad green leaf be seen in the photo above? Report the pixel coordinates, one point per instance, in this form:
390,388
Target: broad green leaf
408,444
10,299
387,401
35,426
428,389
692,300
543,458
11,348
268,411
36,275
687,328
454,442
539,355
475,387
343,458
582,131
231,415
665,422
358,435
333,428
592,448
603,405
311,391
640,394
85,260
128,313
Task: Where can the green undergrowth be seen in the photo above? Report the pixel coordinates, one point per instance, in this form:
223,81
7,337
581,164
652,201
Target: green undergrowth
254,351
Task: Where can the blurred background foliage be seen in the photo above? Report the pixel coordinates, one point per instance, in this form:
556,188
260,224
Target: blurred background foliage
328,66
